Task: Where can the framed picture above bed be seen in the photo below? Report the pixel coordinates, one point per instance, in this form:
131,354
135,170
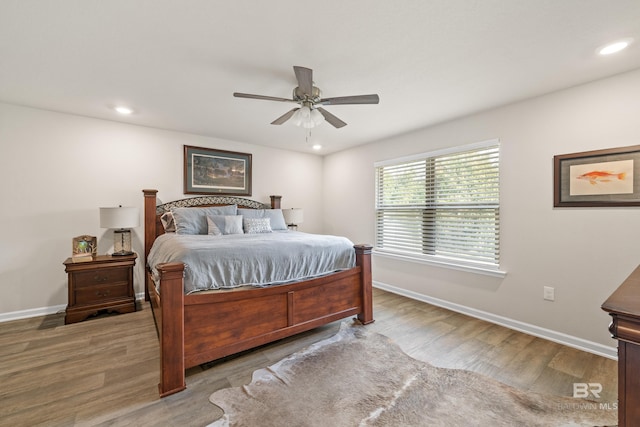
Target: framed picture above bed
211,171
600,178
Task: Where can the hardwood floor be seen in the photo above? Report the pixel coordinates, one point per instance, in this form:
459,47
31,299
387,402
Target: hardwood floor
104,371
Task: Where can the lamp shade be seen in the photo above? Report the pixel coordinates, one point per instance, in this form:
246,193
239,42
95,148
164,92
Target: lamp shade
293,216
119,217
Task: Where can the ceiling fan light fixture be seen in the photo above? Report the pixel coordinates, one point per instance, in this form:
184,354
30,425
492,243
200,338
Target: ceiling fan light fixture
316,117
297,117
307,118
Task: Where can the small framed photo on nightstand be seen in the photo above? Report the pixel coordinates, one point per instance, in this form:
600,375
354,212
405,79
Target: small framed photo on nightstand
84,248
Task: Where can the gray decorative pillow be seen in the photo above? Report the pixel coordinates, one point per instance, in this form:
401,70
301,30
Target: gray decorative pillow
257,225
213,228
274,215
194,220
227,224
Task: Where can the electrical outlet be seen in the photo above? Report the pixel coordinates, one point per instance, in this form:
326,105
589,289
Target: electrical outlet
549,293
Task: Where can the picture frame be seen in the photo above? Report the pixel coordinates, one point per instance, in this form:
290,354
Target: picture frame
212,171
600,178
84,246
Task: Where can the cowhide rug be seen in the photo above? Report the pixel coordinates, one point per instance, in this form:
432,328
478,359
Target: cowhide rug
361,378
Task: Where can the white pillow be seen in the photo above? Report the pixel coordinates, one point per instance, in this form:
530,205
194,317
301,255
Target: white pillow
257,225
233,224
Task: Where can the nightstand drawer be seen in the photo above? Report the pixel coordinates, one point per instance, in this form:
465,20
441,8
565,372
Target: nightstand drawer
101,277
98,294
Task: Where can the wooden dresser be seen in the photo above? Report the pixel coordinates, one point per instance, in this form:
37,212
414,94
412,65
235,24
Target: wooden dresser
104,283
624,307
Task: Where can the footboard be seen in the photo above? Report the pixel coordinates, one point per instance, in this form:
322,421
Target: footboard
198,328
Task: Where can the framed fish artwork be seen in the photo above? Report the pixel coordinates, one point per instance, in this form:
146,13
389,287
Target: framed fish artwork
600,178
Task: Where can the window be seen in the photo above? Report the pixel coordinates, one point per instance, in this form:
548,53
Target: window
442,206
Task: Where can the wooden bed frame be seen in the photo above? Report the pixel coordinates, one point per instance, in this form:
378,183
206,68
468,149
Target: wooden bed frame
197,328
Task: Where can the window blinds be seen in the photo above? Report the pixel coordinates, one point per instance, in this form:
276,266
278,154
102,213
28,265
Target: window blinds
444,205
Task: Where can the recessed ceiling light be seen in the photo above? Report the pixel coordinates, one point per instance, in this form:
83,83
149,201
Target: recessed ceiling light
614,47
316,147
123,110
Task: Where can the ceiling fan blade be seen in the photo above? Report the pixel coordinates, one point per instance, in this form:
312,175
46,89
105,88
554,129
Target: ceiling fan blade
266,98
336,122
305,79
356,99
283,118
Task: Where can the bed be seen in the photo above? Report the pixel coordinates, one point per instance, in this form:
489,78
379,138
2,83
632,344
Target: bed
198,327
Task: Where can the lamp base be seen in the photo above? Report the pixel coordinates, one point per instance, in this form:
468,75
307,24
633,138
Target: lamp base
122,253
122,242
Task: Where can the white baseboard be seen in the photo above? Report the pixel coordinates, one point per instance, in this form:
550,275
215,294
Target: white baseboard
548,334
33,312
43,311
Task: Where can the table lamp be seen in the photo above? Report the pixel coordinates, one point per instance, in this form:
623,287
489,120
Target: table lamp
120,218
293,217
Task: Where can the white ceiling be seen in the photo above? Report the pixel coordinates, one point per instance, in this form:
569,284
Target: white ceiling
177,62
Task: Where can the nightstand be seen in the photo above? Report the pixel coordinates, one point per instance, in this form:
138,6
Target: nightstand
104,283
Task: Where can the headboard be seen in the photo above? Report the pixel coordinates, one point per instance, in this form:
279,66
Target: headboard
152,212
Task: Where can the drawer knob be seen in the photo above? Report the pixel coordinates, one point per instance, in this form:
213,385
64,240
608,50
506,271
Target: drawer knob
99,279
102,293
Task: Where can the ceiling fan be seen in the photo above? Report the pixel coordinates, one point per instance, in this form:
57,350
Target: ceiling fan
309,98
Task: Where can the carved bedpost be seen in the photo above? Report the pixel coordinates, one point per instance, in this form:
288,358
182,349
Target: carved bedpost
275,202
171,329
149,232
363,259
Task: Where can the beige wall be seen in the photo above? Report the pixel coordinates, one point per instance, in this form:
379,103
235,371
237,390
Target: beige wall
57,169
584,253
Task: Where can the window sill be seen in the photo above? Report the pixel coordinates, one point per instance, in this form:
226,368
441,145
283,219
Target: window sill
439,262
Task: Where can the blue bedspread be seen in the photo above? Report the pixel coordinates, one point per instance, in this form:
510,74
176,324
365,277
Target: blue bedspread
230,261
